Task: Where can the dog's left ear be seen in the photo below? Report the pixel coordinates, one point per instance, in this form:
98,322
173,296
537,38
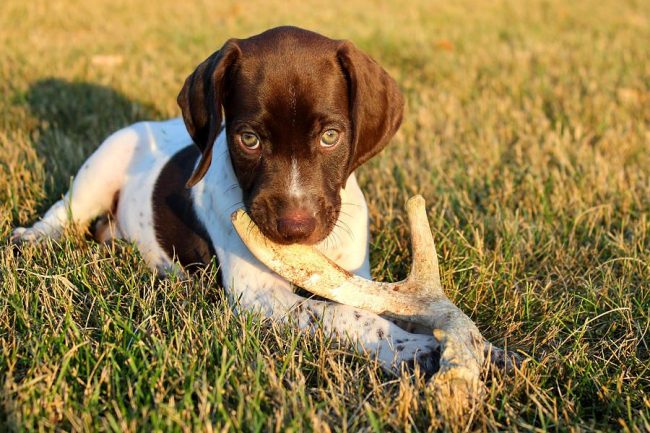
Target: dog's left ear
201,100
376,104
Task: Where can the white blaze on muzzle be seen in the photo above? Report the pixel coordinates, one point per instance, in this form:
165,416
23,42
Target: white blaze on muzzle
294,184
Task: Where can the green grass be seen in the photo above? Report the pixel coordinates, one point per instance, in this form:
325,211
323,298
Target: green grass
527,131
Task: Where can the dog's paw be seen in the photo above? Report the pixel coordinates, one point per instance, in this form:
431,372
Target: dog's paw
416,354
24,235
428,362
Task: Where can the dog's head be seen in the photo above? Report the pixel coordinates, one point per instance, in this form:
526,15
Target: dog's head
302,112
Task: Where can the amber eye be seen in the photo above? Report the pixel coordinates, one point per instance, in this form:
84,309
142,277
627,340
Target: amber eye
249,140
329,138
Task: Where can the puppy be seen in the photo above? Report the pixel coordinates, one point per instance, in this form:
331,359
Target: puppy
276,123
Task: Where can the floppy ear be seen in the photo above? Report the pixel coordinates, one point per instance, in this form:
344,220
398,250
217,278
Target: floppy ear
376,104
201,100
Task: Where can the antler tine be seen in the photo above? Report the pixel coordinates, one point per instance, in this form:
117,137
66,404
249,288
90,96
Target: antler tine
419,299
424,270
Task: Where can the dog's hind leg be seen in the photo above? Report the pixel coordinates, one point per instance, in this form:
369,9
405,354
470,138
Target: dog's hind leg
104,229
93,192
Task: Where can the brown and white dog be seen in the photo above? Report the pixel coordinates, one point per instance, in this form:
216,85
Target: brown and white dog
276,123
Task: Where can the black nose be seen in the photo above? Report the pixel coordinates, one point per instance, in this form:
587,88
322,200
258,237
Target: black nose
296,225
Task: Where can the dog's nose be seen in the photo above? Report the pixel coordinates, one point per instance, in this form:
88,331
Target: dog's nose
295,226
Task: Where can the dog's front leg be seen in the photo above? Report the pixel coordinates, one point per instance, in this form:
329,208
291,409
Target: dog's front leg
271,296
93,192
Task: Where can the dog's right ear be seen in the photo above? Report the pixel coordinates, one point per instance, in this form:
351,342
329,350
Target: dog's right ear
201,100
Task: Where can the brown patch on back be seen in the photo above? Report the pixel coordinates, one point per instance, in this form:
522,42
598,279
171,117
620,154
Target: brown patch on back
178,230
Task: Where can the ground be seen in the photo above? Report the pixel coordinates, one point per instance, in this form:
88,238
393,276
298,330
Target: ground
526,130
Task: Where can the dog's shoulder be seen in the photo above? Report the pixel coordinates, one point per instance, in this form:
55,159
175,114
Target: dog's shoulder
179,230
156,209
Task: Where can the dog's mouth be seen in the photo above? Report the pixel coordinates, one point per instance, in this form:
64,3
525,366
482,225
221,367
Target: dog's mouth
295,226
308,240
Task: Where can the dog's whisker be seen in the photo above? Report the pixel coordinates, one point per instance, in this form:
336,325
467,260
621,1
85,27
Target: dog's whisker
235,206
351,204
341,212
231,188
333,240
345,228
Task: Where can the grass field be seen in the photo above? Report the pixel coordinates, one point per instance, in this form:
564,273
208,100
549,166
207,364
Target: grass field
527,131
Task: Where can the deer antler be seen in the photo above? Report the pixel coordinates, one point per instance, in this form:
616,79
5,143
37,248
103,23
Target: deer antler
418,299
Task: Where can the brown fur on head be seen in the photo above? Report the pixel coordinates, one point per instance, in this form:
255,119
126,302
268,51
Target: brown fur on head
302,113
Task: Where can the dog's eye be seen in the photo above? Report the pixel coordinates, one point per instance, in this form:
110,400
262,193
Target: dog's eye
329,138
249,140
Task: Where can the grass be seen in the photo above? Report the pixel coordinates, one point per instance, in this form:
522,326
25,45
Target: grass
527,131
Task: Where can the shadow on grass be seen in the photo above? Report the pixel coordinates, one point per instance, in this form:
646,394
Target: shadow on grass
75,117
7,423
